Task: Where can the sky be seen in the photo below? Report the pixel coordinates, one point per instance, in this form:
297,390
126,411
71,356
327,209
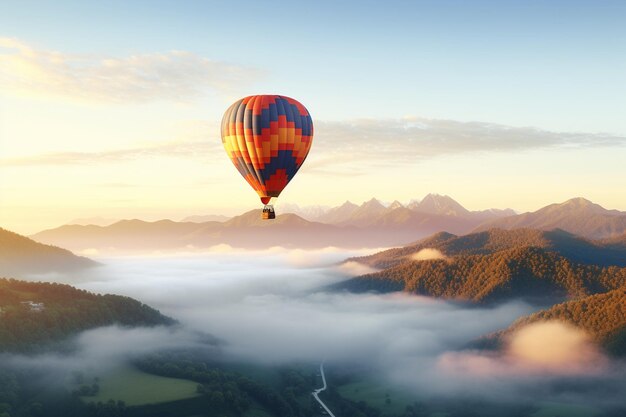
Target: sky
112,109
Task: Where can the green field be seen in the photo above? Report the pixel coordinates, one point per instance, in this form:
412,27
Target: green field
135,387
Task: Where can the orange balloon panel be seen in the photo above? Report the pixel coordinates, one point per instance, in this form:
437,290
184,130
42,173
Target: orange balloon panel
267,137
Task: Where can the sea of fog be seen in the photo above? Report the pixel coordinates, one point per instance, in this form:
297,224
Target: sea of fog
272,307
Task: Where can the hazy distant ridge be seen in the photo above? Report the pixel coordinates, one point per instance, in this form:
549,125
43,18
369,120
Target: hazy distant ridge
371,224
19,254
578,216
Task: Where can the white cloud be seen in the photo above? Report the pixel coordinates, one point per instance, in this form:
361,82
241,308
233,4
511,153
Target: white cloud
174,75
543,348
427,254
353,268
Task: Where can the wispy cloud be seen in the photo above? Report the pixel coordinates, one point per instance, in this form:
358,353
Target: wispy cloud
544,348
340,146
411,139
196,148
173,75
191,139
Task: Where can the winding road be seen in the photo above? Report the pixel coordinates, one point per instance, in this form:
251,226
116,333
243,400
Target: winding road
317,391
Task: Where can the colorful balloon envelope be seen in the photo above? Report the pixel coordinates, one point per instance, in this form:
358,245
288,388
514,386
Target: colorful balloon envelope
267,137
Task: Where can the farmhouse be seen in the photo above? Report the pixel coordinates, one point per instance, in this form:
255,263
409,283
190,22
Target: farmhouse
34,307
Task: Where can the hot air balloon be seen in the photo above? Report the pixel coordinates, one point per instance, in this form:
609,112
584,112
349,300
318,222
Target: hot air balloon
267,137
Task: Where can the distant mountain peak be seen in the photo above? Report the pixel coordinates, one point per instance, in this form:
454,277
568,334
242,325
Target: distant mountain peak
582,203
373,202
396,204
577,215
440,204
579,201
437,197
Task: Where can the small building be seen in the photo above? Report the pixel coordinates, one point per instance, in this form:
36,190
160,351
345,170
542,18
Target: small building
34,307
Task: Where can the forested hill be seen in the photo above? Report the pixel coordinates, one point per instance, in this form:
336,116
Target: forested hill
21,255
528,272
572,247
602,316
33,314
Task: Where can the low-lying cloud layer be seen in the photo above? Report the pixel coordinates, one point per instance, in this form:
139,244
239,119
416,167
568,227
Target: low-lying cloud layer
270,307
544,348
105,347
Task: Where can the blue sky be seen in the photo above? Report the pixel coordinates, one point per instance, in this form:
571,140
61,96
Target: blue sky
557,65
496,103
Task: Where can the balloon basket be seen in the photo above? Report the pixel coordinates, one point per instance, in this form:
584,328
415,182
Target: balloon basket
268,212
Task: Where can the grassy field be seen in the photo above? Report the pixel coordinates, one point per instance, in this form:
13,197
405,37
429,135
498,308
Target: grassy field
138,388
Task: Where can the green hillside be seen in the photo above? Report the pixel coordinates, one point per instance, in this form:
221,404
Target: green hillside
33,314
602,316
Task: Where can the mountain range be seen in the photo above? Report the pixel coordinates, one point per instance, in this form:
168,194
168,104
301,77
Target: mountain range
371,224
245,231
205,218
578,216
374,212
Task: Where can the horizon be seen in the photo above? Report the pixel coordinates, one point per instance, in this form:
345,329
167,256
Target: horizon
289,210
99,119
